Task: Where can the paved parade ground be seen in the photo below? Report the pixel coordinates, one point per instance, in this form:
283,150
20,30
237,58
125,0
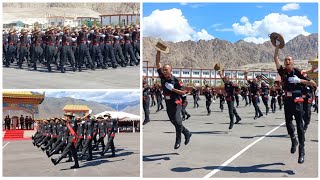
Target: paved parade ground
21,158
216,151
122,77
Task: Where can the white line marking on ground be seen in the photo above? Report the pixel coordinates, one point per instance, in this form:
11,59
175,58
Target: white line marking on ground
239,153
5,145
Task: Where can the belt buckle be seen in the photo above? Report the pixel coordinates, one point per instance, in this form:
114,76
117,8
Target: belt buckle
168,97
289,94
304,96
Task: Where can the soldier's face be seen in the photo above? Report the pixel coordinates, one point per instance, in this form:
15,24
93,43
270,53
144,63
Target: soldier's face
166,71
288,62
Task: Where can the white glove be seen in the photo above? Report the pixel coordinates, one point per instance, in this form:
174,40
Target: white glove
313,102
61,33
169,86
103,35
294,79
89,42
277,42
92,31
185,95
73,39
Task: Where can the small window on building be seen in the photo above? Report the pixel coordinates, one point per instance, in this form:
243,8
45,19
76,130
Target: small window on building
185,72
196,73
175,72
205,73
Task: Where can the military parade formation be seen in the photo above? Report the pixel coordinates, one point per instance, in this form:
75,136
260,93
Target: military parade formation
76,48
297,93
75,138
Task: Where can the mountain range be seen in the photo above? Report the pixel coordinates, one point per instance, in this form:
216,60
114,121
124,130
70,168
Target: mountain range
205,54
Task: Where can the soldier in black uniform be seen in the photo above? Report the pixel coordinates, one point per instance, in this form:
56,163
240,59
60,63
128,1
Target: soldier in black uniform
95,51
253,90
111,131
208,95
152,94
66,52
172,91
102,130
146,102
36,49
7,122
265,96
83,50
51,49
158,94
80,133
22,122
273,94
195,95
293,83
221,96
117,51
244,93
24,48
62,139
88,131
11,49
72,139
54,136
236,96
230,88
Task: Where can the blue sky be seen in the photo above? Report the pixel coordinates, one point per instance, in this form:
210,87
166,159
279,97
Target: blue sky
98,96
196,21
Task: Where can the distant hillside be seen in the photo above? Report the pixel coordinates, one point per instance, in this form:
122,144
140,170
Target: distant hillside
133,109
204,54
52,107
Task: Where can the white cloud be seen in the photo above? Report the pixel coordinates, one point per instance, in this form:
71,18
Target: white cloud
291,6
224,29
259,6
203,34
288,26
255,40
183,3
171,25
215,25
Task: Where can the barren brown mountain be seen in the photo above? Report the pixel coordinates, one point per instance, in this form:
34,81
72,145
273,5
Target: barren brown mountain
205,54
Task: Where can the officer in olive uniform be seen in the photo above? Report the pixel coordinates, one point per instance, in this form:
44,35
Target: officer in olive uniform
172,91
230,88
293,84
72,139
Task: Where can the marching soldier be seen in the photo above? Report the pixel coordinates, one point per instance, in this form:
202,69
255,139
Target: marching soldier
264,94
83,50
36,49
230,88
66,51
293,83
88,129
195,95
158,94
273,94
102,130
24,46
72,139
253,91
11,47
221,96
208,95
184,106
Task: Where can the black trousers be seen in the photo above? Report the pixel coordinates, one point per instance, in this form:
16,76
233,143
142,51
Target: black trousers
265,102
279,98
159,102
195,101
23,53
237,99
69,148
307,112
221,104
97,55
36,54
146,105
10,53
110,144
50,55
184,111
79,144
255,105
174,114
100,140
246,99
208,104
87,146
294,109
232,111
273,104
66,53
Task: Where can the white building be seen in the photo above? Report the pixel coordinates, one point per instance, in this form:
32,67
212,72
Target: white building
120,19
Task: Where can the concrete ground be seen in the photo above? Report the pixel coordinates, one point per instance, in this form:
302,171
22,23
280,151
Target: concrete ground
124,78
216,151
21,158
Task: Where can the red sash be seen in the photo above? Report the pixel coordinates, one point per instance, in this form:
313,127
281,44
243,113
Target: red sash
74,140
